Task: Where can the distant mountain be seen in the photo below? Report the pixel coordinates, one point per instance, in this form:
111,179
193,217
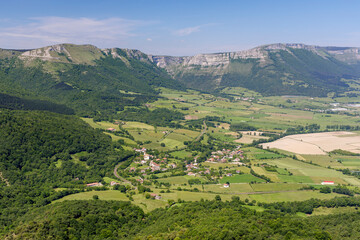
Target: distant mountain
95,81
88,79
274,69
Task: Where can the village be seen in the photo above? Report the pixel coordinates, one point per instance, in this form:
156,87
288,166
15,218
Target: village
148,166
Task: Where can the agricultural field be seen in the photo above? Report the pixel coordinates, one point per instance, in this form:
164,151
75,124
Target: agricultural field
243,178
318,143
280,173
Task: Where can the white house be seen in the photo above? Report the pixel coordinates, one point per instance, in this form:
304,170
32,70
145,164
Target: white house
327,183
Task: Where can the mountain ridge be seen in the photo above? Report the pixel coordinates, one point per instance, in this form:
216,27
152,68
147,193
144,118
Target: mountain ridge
272,69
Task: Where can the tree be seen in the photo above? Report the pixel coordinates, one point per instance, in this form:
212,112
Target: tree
217,198
95,197
325,190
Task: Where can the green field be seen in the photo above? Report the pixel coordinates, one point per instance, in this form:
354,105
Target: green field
338,210
295,179
243,178
180,179
291,196
103,195
268,187
181,154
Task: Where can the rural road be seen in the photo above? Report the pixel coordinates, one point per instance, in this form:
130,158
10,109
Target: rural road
118,176
202,132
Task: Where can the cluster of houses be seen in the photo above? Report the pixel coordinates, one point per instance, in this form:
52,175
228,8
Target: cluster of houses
153,163
194,166
250,99
226,155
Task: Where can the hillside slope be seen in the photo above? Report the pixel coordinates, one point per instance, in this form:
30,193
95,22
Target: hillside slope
42,151
275,69
88,79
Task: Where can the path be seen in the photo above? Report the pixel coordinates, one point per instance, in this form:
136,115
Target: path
202,132
4,179
166,134
118,176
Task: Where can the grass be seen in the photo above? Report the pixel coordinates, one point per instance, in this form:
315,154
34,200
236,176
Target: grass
268,187
337,210
243,178
323,160
305,169
233,189
291,196
109,180
137,125
101,125
295,179
103,195
180,179
192,196
181,154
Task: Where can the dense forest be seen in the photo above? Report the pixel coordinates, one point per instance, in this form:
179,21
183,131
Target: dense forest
41,151
96,219
99,89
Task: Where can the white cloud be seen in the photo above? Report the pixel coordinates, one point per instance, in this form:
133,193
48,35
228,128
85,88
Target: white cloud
149,39
187,31
52,30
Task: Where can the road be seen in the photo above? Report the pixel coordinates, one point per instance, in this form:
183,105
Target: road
118,176
202,132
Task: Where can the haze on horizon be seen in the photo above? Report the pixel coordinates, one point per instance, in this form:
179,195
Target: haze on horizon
179,27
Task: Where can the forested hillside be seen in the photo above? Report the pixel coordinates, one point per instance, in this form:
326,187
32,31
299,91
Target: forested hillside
272,70
91,83
42,151
98,219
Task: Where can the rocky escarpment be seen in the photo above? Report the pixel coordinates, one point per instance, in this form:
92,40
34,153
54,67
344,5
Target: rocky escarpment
347,54
270,69
290,66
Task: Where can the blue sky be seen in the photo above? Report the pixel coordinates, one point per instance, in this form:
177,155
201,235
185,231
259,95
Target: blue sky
181,27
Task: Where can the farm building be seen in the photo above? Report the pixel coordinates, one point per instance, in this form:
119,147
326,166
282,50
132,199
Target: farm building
114,183
95,184
327,183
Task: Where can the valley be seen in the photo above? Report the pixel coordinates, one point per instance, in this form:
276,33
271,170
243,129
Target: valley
92,128
182,164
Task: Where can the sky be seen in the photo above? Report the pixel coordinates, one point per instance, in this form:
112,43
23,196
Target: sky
179,27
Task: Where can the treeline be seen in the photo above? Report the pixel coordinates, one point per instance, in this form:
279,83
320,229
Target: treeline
311,128
343,127
242,127
157,117
252,172
308,206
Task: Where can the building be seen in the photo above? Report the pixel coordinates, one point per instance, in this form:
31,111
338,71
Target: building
327,183
95,184
114,183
